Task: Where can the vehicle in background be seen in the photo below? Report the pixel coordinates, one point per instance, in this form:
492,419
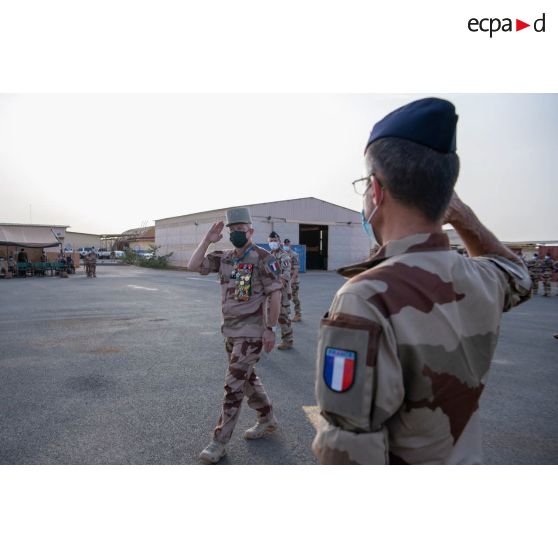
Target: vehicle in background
104,254
83,252
145,254
118,254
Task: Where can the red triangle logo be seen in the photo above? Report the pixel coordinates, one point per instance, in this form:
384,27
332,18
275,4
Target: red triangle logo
519,25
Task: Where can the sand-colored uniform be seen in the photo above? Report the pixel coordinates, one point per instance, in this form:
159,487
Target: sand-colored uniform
91,264
404,350
535,272
547,266
246,284
295,285
285,315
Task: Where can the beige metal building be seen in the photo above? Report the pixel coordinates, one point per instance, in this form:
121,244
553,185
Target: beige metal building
332,234
77,240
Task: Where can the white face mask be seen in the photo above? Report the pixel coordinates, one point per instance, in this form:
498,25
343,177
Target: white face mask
274,245
286,248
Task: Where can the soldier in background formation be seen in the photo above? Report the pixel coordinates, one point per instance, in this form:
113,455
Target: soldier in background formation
91,264
541,270
250,297
295,285
284,261
547,270
534,267
406,345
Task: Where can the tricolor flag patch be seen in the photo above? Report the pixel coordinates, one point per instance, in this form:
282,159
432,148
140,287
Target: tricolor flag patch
274,266
339,369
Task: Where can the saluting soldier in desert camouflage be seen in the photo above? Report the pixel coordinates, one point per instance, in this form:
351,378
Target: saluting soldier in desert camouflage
250,298
285,316
406,345
295,284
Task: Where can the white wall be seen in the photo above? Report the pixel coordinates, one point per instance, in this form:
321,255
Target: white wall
347,245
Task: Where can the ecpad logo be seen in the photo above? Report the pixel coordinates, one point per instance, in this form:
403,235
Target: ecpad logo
492,25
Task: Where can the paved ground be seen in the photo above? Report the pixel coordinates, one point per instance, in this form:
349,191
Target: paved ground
128,368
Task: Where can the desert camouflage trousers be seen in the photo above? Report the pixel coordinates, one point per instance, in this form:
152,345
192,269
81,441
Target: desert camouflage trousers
296,300
535,283
91,269
241,381
285,315
546,283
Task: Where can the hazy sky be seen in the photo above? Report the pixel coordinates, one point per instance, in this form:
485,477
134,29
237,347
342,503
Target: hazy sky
107,163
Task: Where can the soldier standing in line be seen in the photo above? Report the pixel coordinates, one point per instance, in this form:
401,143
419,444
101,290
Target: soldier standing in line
250,281
87,266
285,316
93,262
547,266
534,267
295,286
405,347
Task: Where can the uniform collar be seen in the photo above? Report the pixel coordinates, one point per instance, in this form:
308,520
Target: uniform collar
426,242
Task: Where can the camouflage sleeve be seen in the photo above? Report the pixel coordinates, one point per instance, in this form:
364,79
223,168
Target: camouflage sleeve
270,273
211,263
286,268
295,261
359,384
513,276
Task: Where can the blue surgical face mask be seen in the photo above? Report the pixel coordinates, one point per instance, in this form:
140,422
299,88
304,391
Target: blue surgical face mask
286,248
367,224
274,245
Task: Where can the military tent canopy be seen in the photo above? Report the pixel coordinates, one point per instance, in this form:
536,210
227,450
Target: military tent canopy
27,237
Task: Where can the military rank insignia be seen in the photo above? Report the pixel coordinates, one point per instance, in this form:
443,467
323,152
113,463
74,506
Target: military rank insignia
242,275
339,369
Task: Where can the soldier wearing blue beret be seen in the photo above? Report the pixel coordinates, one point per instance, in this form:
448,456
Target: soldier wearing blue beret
406,345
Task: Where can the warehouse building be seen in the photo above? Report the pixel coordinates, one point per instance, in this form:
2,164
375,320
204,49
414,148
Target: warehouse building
76,240
333,235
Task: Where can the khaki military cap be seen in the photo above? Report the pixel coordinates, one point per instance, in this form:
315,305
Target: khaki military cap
238,215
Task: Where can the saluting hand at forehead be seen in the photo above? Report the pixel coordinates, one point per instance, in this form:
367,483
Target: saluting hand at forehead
214,234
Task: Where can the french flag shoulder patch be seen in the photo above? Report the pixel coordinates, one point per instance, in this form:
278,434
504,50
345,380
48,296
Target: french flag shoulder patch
274,266
339,369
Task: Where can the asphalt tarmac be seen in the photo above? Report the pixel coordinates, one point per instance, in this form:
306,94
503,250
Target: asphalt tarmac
128,369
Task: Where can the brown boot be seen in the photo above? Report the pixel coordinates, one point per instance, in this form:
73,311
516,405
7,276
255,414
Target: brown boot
297,318
284,346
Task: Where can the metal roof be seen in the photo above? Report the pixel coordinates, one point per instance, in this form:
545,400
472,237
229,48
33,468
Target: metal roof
265,206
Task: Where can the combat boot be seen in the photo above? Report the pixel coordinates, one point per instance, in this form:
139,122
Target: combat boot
297,318
213,453
283,346
260,429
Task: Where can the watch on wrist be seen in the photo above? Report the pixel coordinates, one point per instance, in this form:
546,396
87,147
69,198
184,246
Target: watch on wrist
272,328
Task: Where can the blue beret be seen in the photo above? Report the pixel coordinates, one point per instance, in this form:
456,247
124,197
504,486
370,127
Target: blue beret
431,122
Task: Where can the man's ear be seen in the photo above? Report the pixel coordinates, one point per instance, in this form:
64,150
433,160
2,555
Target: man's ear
377,191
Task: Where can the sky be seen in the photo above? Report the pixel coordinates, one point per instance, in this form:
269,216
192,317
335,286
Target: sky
108,163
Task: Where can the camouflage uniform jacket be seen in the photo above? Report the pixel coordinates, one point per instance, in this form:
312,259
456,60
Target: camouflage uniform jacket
404,350
285,262
244,318
295,264
535,267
